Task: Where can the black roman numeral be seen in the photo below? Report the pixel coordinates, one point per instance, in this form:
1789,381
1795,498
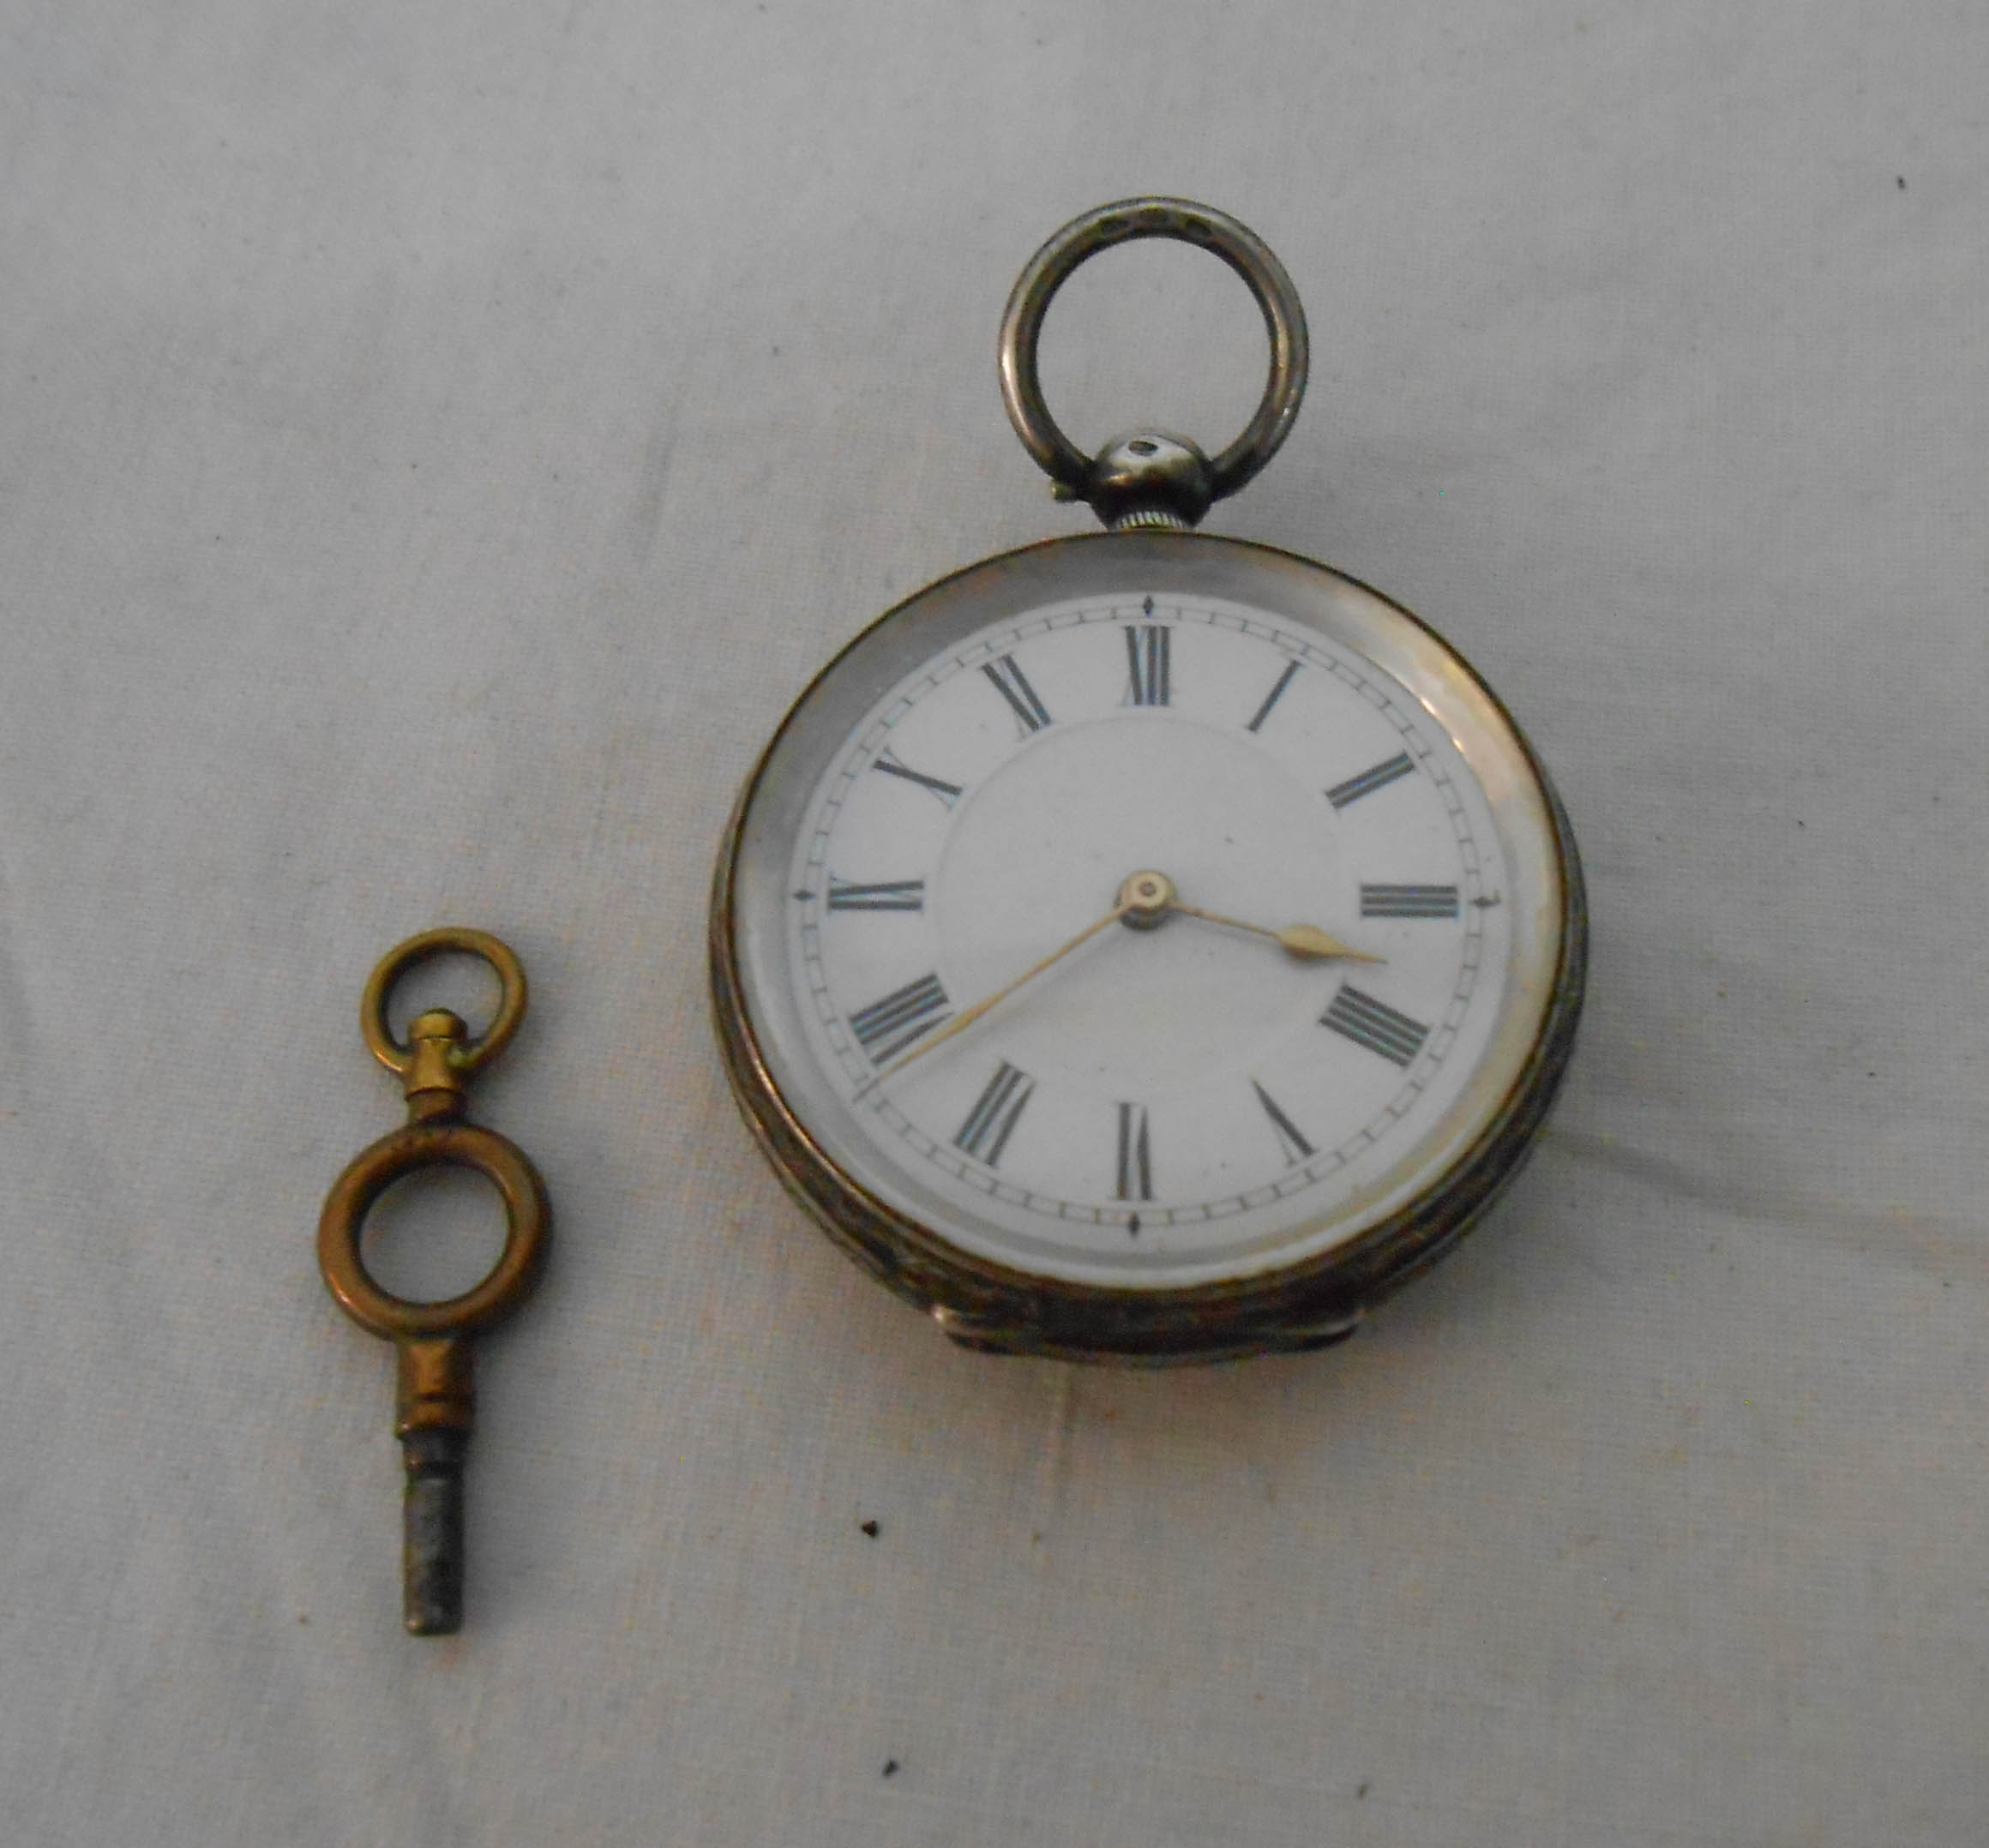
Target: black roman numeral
985,1133
1272,698
1013,687
1369,781
900,895
1296,1147
1147,649
886,1027
1375,1025
1409,901
948,793
1135,1154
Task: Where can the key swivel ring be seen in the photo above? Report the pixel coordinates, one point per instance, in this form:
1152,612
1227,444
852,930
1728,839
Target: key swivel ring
1152,478
461,1058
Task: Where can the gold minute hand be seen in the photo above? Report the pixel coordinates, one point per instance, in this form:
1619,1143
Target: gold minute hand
961,1021
1304,941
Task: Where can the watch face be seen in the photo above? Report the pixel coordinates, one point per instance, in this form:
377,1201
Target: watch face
1147,912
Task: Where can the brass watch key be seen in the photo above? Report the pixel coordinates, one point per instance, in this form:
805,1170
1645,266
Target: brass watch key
434,1402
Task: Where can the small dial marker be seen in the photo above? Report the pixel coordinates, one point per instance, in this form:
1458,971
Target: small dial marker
1375,1025
948,793
887,1027
899,895
1272,698
1296,1147
1148,647
1369,781
989,1124
1013,687
1135,1154
1409,901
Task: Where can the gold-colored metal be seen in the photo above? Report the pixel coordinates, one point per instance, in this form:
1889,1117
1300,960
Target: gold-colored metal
1150,898
967,1016
1147,898
436,1400
438,1056
1307,942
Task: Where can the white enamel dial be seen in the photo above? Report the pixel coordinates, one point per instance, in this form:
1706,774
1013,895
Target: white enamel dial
1164,1107
1174,1092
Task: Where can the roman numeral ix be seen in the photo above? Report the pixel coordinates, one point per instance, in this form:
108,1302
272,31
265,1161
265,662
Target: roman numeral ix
887,1027
1147,649
1013,687
1409,901
990,1123
1374,1024
900,895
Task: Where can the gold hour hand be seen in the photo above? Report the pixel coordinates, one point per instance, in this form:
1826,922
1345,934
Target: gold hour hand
1307,942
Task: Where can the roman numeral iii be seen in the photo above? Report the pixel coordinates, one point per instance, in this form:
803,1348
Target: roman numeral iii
887,1027
1147,650
990,1123
1409,901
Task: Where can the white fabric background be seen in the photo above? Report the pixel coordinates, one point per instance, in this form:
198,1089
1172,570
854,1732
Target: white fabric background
436,441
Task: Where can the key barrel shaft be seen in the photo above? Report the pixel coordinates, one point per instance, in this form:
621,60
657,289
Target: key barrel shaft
431,1548
437,1403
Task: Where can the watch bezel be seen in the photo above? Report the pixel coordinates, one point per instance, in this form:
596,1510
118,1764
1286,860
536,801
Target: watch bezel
984,1302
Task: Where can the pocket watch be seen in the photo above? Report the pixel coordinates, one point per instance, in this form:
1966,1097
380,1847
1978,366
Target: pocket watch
1147,946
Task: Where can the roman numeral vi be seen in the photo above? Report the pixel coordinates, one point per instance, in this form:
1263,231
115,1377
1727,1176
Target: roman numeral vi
1135,1154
